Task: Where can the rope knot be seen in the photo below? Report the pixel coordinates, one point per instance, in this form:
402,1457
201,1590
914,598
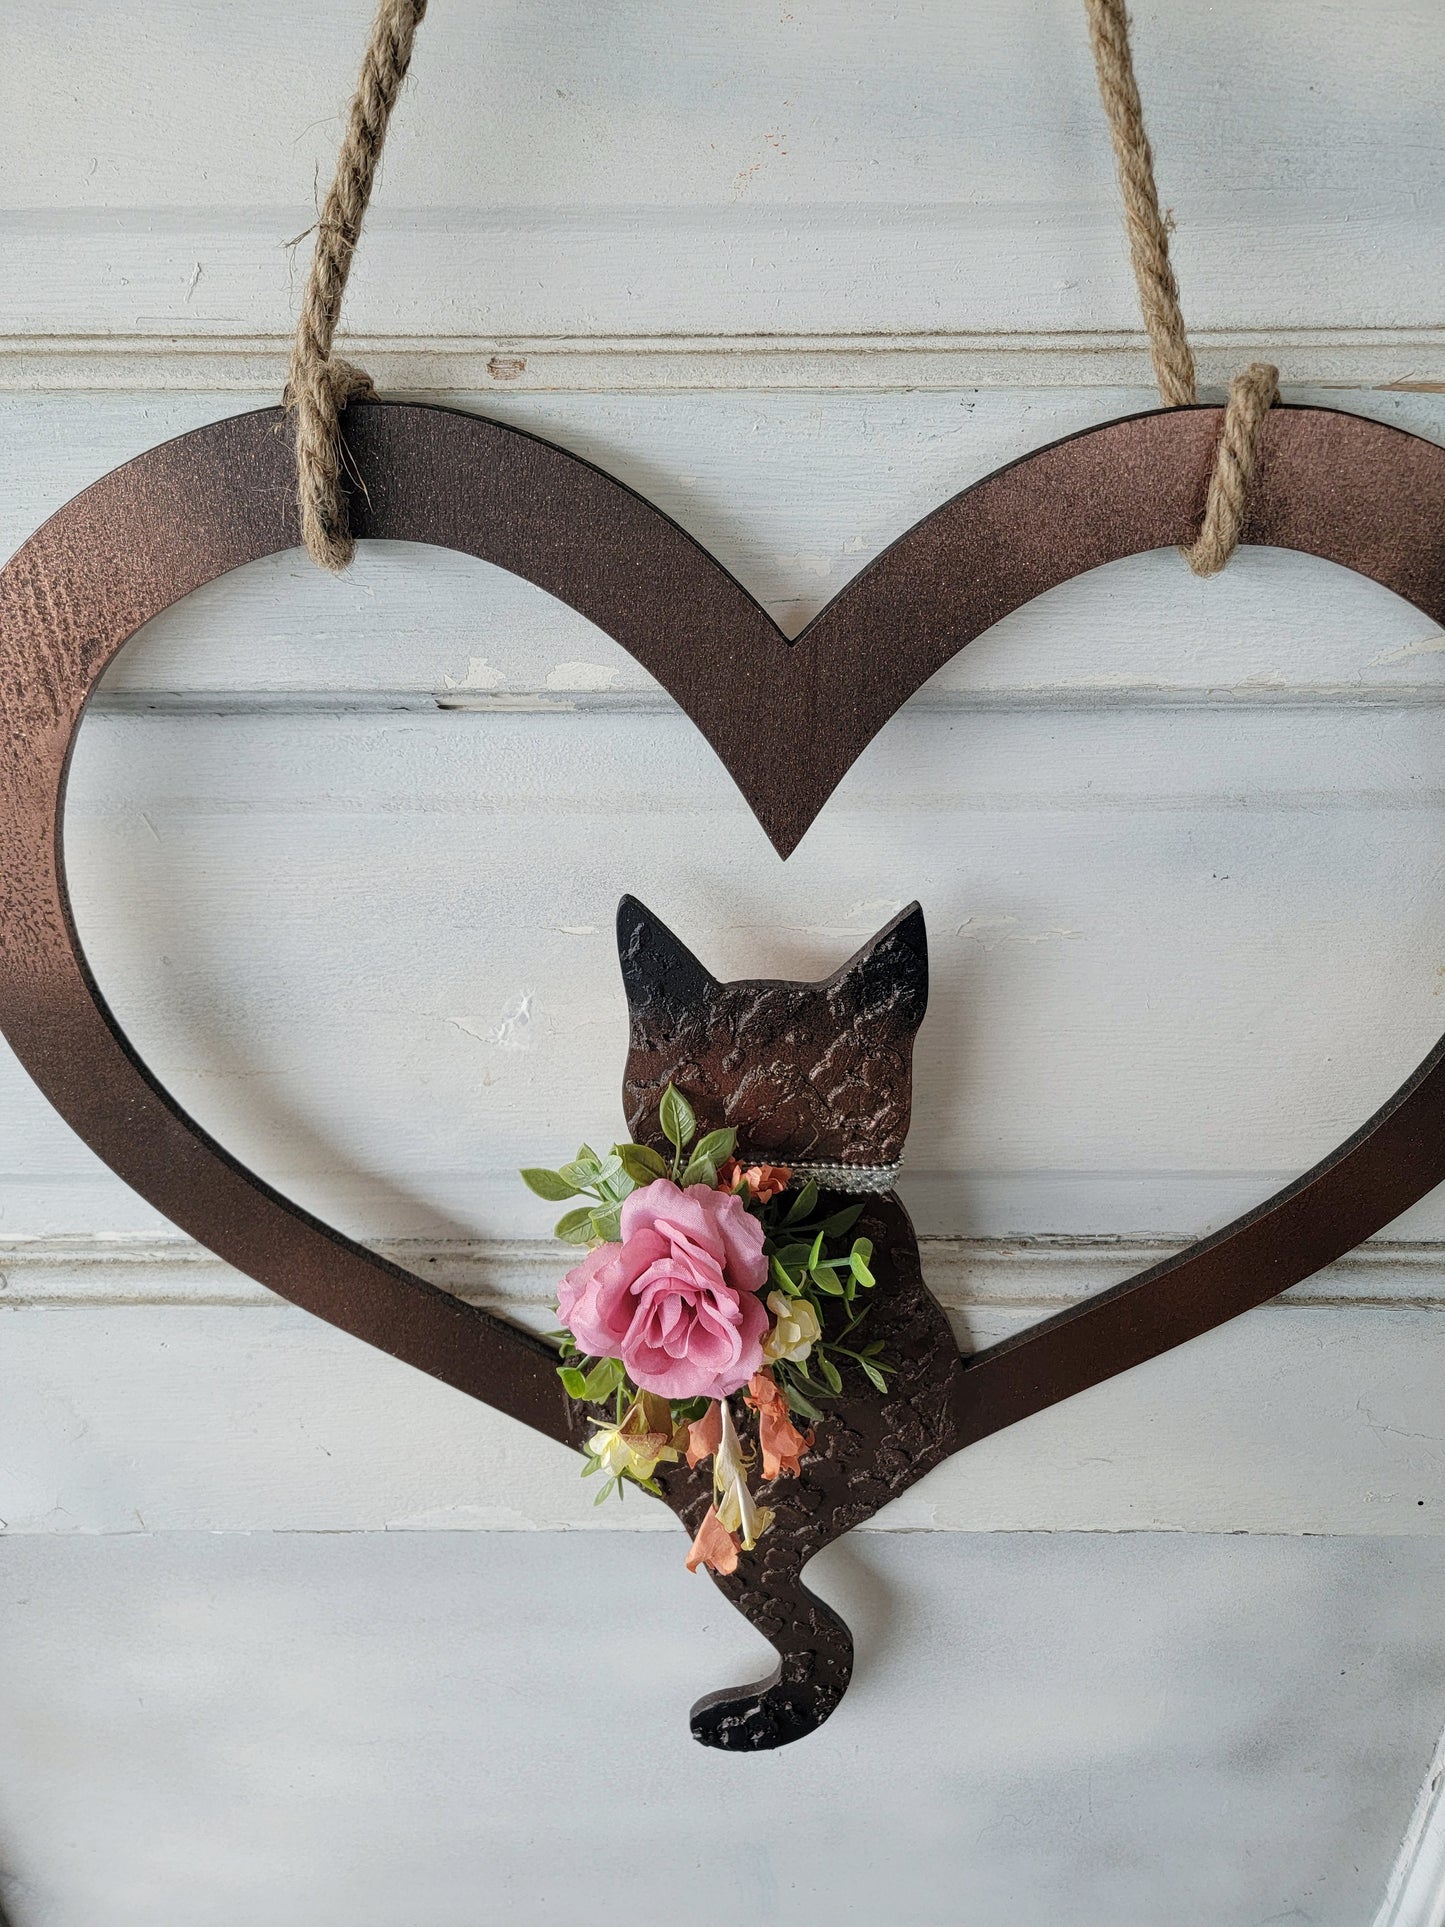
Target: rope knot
317,393
321,384
1251,396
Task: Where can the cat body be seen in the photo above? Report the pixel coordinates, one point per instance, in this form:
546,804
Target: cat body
817,1076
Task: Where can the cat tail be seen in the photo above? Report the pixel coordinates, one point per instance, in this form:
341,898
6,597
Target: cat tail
815,1658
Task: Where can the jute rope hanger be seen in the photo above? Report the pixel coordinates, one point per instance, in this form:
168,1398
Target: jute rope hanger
321,384
1252,394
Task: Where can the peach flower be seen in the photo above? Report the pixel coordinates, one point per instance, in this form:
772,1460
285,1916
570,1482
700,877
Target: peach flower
714,1547
704,1436
783,1444
764,1181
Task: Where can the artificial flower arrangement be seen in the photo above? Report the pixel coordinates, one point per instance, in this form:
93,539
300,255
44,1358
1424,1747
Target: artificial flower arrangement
665,1318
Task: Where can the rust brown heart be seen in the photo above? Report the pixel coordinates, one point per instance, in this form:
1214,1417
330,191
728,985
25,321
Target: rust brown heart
787,719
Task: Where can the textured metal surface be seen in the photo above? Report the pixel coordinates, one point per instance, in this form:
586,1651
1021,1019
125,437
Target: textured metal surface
787,720
803,1072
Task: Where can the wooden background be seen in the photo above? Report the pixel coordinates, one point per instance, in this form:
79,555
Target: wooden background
292,1635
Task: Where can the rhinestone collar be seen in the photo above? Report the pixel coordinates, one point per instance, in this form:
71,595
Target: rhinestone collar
863,1178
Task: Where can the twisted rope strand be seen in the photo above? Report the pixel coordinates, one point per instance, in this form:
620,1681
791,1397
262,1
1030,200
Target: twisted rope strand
1252,394
320,385
1147,229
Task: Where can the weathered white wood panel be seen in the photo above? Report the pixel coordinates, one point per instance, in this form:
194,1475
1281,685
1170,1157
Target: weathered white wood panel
144,1418
471,1731
808,172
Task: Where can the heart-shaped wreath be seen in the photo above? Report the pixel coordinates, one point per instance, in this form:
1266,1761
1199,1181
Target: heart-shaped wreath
788,719
1333,485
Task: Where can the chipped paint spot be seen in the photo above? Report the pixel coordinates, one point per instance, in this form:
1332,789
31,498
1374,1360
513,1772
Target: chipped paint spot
988,931
480,675
1427,646
514,1032
806,563
873,911
578,929
506,367
576,677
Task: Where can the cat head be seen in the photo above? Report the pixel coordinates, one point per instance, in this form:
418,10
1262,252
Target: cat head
808,1073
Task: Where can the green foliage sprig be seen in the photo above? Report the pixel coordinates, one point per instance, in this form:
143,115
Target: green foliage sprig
608,1181
797,1244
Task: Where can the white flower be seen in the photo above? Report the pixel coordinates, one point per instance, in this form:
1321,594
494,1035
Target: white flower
795,1328
640,1443
737,1510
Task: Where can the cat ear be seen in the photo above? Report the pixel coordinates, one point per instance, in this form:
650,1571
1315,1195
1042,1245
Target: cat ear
890,972
656,968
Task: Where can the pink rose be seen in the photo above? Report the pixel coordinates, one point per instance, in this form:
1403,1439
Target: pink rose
677,1301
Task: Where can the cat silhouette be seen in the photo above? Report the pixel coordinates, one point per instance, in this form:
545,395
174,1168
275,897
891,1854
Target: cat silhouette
817,1076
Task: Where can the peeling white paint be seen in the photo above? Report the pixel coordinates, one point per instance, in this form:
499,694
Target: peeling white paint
807,562
873,911
988,931
480,676
514,1032
575,677
1426,646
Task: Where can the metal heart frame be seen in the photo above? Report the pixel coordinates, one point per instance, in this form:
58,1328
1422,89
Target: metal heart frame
1353,491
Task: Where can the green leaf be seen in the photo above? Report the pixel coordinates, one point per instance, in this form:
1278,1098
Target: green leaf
700,1170
581,1173
641,1163
873,1375
826,1281
675,1114
802,1204
550,1185
830,1372
784,1279
604,1378
607,1223
574,1382
815,1256
717,1145
574,1227
606,1493
793,1255
842,1221
804,1407
858,1261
